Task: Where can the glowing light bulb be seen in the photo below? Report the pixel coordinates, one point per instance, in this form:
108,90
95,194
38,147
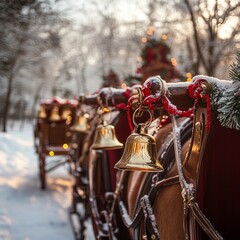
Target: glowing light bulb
124,85
65,146
164,37
51,153
173,61
189,77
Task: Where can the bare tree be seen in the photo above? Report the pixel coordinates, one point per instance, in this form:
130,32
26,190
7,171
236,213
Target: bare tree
208,18
21,42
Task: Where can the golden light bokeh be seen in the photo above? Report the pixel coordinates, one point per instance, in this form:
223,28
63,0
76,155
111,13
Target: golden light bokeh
65,146
51,153
164,37
173,61
189,77
144,39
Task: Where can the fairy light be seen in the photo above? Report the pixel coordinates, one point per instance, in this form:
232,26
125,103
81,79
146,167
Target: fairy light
144,39
189,77
65,146
51,153
150,31
124,85
173,61
164,37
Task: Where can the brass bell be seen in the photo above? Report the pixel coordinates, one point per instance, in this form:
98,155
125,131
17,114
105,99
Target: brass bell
105,137
140,152
82,124
42,112
66,113
55,114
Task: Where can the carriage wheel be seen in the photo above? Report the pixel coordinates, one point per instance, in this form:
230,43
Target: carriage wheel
42,171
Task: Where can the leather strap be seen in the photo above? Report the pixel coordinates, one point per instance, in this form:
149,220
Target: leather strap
157,181
188,192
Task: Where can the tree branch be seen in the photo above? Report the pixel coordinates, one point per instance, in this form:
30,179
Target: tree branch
196,35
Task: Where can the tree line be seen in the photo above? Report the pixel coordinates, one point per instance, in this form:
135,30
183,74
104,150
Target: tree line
46,50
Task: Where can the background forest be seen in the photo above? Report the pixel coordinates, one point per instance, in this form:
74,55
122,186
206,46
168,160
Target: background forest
65,47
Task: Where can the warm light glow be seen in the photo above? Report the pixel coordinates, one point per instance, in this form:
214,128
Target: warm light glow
164,37
150,31
124,85
144,39
51,153
106,110
139,59
189,77
69,119
173,61
65,146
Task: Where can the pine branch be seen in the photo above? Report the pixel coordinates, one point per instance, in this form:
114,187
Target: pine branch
234,72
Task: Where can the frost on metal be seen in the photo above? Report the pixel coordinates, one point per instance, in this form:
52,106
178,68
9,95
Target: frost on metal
148,213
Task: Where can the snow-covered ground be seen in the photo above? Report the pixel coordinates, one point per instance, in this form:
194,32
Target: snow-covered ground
26,212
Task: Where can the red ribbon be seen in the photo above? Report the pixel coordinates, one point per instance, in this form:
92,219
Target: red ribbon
196,91
172,109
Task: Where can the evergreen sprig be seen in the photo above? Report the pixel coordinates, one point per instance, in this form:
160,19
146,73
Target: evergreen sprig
234,72
229,103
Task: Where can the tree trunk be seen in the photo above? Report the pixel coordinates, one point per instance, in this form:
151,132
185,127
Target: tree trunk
7,101
195,34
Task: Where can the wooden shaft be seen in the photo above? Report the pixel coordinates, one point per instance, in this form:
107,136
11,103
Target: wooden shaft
107,96
177,94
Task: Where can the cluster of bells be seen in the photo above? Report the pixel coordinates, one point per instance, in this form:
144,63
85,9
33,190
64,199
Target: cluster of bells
140,147
54,116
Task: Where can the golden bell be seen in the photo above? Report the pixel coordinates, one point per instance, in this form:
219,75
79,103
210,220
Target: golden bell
82,124
42,112
66,113
140,152
55,115
105,138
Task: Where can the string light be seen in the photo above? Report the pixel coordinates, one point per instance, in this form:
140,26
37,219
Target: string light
144,39
51,153
189,77
124,85
173,61
164,37
65,146
150,31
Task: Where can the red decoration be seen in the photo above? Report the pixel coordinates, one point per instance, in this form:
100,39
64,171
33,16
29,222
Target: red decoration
196,91
172,109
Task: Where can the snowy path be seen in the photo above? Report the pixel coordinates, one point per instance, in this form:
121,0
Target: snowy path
26,212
